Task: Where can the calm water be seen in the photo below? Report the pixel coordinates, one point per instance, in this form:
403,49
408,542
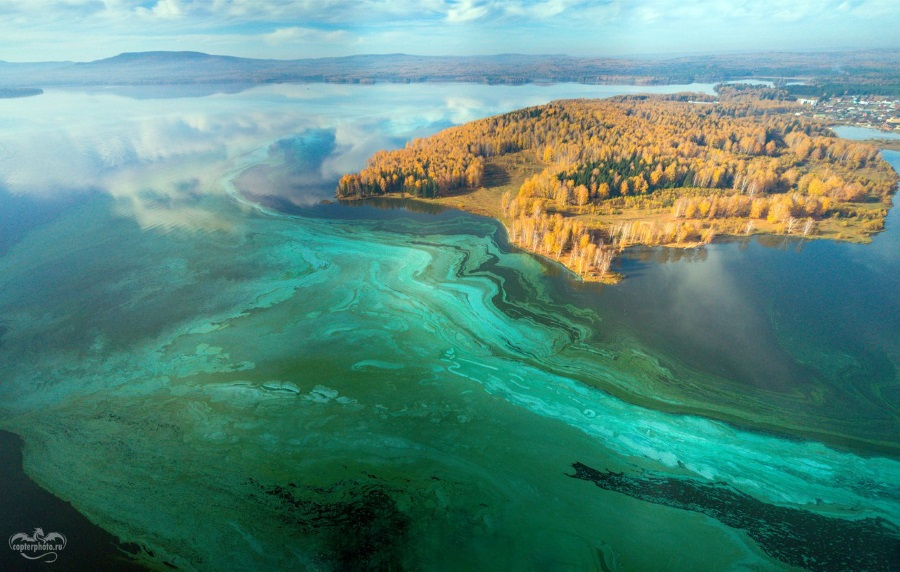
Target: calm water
851,132
210,364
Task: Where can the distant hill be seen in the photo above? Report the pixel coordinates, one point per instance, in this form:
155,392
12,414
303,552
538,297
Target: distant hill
9,93
163,68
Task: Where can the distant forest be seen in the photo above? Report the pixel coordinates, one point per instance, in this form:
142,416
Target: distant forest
837,73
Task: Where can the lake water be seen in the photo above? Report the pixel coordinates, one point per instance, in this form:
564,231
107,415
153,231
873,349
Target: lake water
210,364
853,132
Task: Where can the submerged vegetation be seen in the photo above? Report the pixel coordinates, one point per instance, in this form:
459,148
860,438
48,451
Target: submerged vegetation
579,180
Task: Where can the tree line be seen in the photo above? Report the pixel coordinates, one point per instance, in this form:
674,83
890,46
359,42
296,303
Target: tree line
708,161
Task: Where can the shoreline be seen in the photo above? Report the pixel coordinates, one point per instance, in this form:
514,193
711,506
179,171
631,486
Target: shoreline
26,505
458,202
552,175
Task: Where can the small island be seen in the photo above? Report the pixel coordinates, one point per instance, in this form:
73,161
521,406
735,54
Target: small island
577,181
12,92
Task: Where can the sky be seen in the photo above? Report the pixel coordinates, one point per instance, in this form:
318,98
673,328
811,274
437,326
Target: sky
84,30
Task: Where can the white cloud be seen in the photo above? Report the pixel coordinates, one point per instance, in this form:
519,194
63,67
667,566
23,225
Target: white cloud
295,34
162,9
546,9
648,14
466,11
92,29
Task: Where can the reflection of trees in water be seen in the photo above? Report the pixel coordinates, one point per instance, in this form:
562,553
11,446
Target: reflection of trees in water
663,255
781,242
394,204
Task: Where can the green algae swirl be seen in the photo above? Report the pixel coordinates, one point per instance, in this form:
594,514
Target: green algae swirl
285,381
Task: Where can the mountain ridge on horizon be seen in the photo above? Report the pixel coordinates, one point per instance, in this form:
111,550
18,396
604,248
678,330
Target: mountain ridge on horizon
654,56
163,67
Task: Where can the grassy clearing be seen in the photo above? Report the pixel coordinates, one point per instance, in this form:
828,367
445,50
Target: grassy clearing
501,174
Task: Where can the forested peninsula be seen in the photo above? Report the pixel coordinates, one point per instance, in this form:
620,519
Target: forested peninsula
577,181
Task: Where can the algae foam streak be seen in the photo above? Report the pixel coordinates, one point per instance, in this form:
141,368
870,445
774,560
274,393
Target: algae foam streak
230,386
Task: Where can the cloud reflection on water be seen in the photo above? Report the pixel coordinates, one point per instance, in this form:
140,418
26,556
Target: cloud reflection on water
159,157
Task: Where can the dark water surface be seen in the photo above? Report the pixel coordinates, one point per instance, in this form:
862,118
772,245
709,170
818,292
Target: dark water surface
809,327
25,506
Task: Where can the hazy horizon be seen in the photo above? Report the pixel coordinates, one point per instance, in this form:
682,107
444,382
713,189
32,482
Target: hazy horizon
86,30
647,56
